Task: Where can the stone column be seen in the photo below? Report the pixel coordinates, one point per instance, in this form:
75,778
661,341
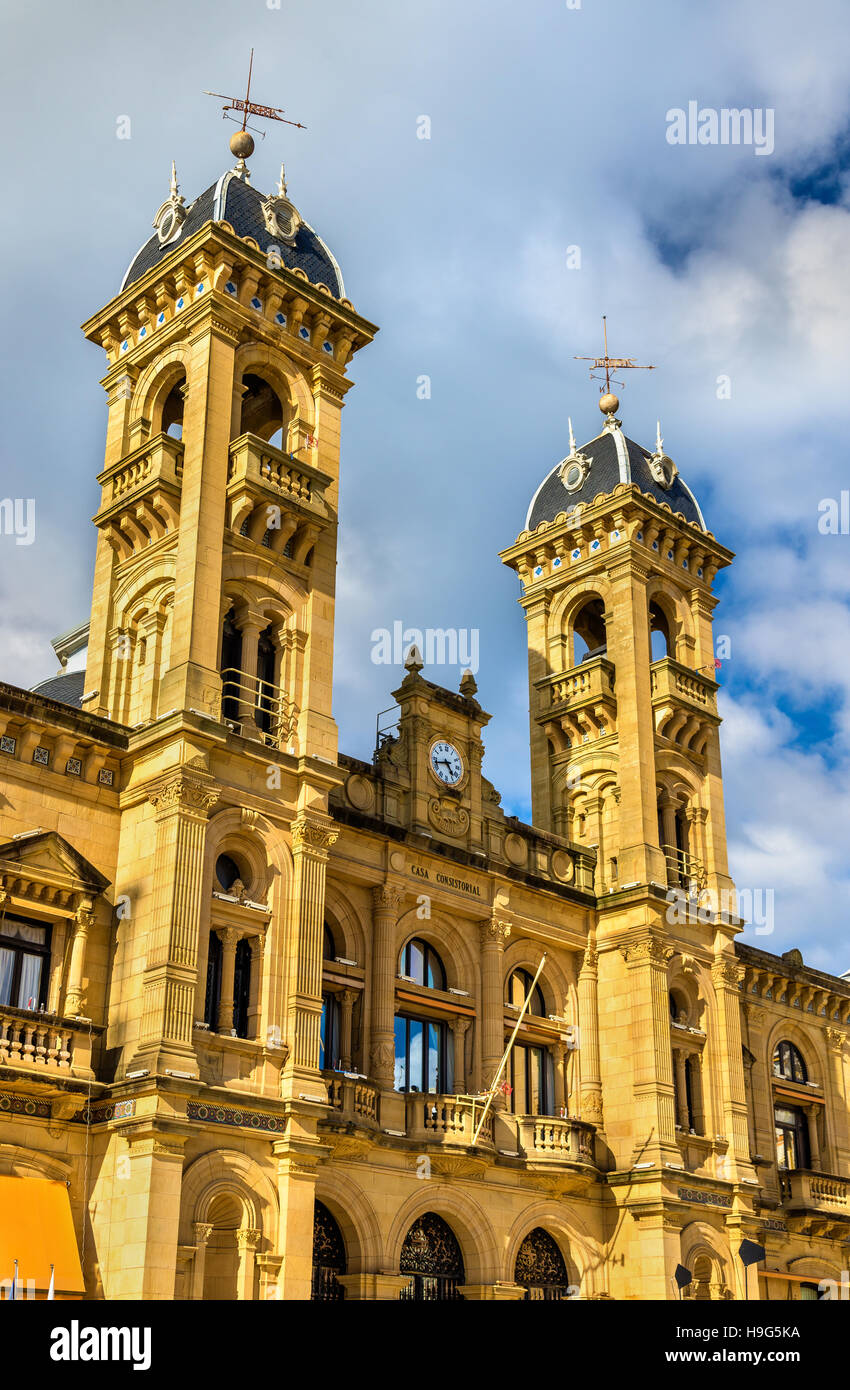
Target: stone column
143,1252
203,1230
311,842
247,1241
83,921
494,934
652,1062
182,801
836,1039
296,1185
590,1091
814,1143
459,1027
348,999
373,1288
726,976
192,680
679,1064
229,938
257,944
386,901
250,626
558,1052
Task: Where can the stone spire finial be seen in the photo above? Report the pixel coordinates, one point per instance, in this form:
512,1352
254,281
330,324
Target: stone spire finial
281,185
413,661
175,188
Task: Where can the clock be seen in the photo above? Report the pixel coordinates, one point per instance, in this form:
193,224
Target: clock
446,763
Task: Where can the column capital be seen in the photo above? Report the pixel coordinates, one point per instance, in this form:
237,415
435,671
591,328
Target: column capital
248,1239
727,974
183,791
229,936
650,949
494,933
387,897
310,836
203,1230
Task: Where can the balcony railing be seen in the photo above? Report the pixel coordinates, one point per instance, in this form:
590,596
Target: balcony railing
352,1098
549,1138
44,1043
815,1191
253,460
684,871
257,708
590,682
447,1119
669,680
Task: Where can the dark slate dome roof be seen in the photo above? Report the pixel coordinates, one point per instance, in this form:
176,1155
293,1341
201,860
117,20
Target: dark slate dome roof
613,459
233,200
67,688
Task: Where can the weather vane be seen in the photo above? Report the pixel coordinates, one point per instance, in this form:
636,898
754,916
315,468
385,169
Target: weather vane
609,365
242,144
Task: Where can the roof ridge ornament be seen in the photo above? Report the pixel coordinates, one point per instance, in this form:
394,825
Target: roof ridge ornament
575,467
660,465
172,214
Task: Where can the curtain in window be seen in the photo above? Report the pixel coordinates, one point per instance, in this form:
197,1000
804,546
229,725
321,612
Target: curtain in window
29,989
7,966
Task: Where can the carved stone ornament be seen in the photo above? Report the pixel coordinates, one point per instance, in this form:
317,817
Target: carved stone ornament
650,949
386,897
313,835
591,1107
494,932
171,215
282,219
835,1038
183,791
448,818
727,972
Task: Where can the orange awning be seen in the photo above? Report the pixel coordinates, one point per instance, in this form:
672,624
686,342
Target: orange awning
37,1230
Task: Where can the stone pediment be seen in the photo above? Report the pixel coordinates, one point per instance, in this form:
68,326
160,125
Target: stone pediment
47,857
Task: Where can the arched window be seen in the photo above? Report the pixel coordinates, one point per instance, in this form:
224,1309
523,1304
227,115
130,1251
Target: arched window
266,703
788,1063
329,950
659,633
172,411
227,872
262,410
519,983
589,638
216,1021
540,1268
328,1257
420,963
432,1258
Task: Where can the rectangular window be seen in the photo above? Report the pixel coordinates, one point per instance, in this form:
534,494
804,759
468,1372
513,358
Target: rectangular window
24,963
422,1062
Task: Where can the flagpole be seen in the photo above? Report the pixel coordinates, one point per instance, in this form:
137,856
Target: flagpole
51,1294
507,1051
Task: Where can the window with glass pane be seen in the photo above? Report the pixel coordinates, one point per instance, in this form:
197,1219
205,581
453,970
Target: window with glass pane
329,1033
788,1063
792,1137
422,1055
532,1080
519,985
24,963
420,963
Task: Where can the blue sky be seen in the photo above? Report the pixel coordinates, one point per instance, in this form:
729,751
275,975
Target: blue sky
548,130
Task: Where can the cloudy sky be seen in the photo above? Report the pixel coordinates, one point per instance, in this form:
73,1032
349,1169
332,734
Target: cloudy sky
548,126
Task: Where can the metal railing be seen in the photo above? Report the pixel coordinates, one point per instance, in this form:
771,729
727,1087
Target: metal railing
683,870
249,700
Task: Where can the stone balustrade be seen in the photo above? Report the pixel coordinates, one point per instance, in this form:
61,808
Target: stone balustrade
44,1042
352,1098
815,1191
435,1119
553,1139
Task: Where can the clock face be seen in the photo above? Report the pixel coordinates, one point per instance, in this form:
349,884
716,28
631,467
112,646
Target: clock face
446,763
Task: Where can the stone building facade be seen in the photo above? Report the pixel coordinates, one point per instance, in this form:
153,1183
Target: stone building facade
252,991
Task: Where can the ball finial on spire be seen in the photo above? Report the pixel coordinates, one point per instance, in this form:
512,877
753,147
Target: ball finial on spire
242,144
609,403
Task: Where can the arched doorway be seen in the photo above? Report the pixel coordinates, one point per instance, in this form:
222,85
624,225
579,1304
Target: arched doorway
221,1263
328,1257
540,1268
432,1258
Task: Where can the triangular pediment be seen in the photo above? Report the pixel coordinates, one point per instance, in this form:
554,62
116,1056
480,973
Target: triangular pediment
49,857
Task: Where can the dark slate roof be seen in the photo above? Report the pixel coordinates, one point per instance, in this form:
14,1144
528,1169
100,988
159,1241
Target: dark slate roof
608,467
67,688
235,201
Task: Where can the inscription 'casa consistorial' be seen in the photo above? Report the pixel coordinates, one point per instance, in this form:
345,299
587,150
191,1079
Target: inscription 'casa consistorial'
446,880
